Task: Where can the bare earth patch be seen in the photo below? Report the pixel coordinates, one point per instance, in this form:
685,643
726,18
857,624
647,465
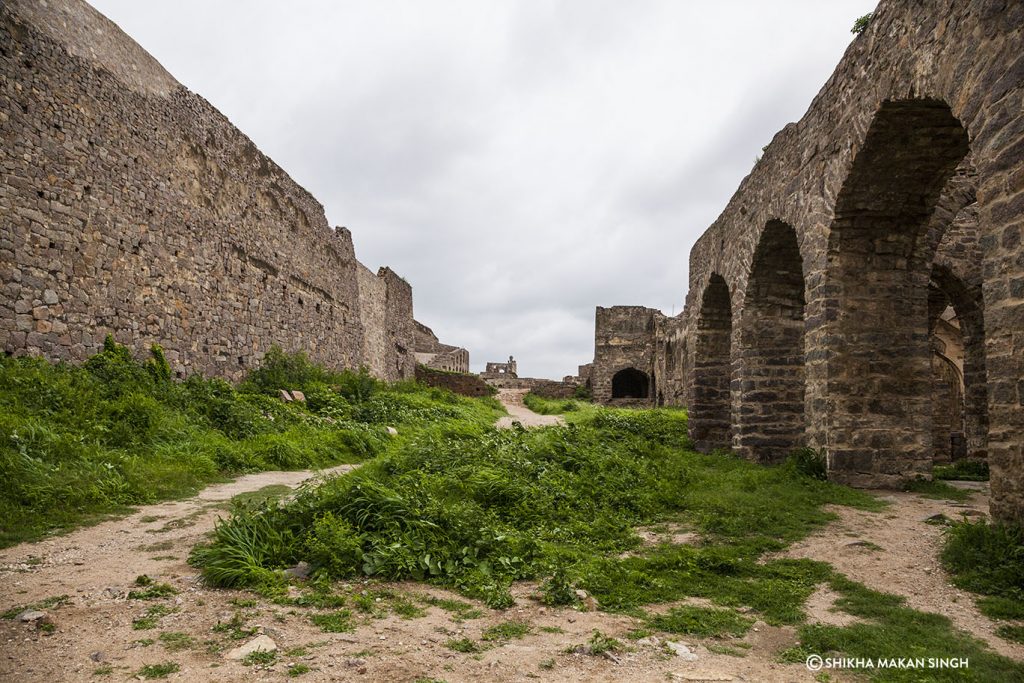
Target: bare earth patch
897,551
512,399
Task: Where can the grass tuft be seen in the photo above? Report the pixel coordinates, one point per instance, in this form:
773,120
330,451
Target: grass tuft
507,630
162,670
701,621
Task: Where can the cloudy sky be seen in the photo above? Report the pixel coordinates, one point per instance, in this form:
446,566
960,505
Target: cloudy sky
519,162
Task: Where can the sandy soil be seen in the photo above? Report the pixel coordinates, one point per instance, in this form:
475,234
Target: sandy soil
512,399
94,638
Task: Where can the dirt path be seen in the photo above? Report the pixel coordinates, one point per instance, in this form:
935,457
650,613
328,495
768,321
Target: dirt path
897,551
96,637
512,399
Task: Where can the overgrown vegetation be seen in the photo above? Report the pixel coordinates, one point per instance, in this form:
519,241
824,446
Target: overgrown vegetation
78,442
988,559
968,469
556,406
810,462
937,489
476,509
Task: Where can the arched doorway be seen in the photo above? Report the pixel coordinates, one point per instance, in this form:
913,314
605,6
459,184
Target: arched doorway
709,396
630,383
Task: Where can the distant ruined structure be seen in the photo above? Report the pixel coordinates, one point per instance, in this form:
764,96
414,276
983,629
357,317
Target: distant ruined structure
433,354
132,207
507,370
863,291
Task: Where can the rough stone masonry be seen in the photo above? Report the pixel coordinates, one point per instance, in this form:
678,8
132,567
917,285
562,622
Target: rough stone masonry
130,206
816,300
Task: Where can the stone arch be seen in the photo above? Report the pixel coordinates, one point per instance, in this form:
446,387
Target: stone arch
631,383
769,402
709,401
947,290
879,266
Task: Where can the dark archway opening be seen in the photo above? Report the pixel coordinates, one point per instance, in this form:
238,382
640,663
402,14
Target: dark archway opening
770,418
709,396
630,383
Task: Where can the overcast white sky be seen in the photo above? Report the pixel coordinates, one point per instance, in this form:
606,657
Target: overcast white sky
519,162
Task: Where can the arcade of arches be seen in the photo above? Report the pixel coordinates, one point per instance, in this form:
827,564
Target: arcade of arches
862,293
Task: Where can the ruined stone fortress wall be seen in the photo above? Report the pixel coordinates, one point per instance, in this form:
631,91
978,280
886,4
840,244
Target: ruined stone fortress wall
813,297
130,206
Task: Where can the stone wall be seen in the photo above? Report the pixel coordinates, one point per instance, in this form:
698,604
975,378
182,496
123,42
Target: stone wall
130,206
553,388
807,320
372,300
457,382
399,327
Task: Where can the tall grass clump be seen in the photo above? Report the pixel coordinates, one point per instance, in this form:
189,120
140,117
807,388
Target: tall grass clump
77,442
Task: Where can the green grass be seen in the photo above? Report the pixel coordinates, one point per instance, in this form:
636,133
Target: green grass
79,443
151,590
297,670
701,621
234,628
600,643
152,617
1011,632
938,490
176,640
556,406
46,603
339,621
507,630
405,608
463,645
719,649
457,503
263,495
988,559
890,629
963,470
459,610
162,670
260,658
